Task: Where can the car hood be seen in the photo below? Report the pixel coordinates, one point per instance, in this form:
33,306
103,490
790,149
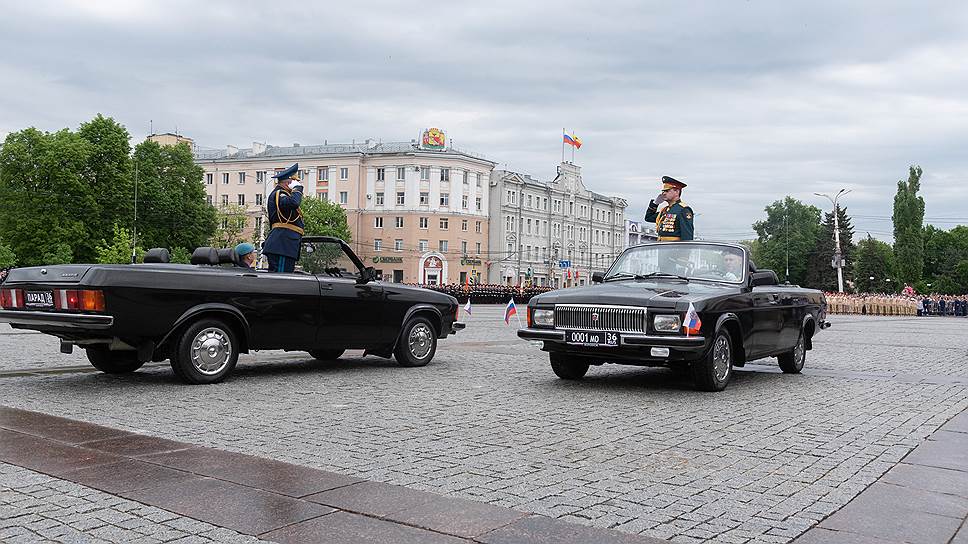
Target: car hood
654,294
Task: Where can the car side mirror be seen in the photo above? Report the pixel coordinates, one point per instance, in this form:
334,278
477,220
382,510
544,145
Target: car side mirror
763,277
598,277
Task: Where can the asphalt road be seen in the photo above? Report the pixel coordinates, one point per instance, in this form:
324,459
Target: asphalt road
627,448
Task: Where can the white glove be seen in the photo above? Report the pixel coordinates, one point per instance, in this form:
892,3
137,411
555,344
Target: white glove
659,199
295,183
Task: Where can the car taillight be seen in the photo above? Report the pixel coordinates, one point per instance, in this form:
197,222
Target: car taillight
11,298
529,312
87,300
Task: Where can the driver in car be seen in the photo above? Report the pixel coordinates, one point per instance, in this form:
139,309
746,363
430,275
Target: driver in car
733,263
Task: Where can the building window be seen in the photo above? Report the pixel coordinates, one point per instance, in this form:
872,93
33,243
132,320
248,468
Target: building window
225,222
424,173
208,179
463,225
258,225
529,201
208,198
377,245
241,178
571,208
466,176
379,199
381,174
443,246
557,206
398,221
225,178
424,222
477,203
343,197
477,226
463,202
510,249
443,223
528,231
510,197
344,174
478,176
225,200
401,198
509,223
424,199
401,173
463,247
423,246
324,196
398,245
258,199
478,245
323,173
445,199
445,174
240,200
378,222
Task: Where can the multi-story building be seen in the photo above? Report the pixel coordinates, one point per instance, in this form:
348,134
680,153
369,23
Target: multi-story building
554,232
639,232
417,211
170,138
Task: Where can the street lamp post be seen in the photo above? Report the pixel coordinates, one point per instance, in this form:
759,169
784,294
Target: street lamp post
837,254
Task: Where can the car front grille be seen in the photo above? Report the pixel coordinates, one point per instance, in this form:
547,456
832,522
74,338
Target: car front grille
596,317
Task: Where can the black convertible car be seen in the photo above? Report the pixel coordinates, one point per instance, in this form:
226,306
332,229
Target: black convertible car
638,313
203,315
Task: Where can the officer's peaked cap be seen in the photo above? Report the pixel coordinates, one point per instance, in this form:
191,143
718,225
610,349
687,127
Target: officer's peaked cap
287,173
669,182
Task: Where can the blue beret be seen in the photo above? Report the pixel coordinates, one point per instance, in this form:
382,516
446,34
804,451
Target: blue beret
287,173
244,249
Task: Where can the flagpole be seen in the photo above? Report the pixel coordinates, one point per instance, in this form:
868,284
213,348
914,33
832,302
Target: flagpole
562,144
517,314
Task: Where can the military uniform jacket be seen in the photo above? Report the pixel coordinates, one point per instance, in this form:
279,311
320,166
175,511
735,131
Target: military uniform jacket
673,222
286,221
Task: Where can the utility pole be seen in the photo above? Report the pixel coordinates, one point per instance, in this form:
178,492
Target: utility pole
134,238
838,256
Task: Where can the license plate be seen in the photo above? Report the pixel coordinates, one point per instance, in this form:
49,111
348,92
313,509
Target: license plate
39,299
592,338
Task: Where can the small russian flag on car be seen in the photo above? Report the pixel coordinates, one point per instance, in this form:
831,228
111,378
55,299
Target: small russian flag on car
509,311
692,322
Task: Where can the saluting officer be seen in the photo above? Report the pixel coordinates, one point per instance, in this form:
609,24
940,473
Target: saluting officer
283,243
674,221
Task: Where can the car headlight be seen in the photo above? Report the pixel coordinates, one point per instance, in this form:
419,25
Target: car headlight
666,323
544,318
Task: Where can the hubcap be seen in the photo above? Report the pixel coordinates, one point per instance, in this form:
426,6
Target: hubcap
798,352
420,340
721,358
211,351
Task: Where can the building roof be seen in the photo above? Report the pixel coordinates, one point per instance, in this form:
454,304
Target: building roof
363,148
529,180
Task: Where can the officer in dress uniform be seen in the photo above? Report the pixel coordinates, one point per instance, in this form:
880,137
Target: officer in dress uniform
283,243
674,221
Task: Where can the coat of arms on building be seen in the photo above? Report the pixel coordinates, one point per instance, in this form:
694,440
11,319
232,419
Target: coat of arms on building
433,138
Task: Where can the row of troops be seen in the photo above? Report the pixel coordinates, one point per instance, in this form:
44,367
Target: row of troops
489,293
881,304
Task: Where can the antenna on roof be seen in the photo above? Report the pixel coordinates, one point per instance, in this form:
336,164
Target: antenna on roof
151,127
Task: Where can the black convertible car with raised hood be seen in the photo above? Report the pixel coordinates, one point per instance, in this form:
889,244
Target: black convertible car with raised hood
201,316
698,306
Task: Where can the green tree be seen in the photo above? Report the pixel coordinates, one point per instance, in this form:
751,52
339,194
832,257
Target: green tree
875,259
231,221
118,250
47,203
108,174
790,231
820,273
324,218
180,255
8,259
908,219
172,211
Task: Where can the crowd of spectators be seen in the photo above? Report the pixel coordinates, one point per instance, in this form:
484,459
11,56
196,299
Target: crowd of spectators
892,304
489,293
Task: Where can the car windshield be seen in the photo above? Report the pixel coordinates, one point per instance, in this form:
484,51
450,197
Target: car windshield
327,258
682,261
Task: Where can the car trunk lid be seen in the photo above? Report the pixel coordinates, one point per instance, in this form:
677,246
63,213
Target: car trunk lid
48,275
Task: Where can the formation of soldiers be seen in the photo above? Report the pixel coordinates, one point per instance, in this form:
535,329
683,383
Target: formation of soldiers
889,304
489,293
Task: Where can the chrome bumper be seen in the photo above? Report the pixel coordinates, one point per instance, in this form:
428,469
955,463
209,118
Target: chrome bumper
28,319
626,339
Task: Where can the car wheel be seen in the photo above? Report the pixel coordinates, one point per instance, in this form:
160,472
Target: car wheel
206,352
792,361
712,373
566,367
417,344
326,354
113,362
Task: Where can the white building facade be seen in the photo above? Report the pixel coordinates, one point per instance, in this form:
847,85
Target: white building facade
639,232
555,233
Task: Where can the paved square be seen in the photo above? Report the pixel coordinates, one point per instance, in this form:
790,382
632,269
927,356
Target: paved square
627,448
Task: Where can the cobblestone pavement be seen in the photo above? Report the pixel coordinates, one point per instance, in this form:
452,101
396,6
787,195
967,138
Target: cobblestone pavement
627,448
37,508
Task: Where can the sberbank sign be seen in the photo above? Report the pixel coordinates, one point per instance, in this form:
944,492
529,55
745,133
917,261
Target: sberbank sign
387,259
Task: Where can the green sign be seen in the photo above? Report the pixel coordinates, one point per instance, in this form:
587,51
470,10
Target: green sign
470,260
387,259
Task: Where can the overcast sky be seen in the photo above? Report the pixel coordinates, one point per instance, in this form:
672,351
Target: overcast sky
746,101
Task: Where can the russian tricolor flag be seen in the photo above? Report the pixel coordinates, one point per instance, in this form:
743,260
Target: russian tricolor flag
692,322
572,140
509,311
